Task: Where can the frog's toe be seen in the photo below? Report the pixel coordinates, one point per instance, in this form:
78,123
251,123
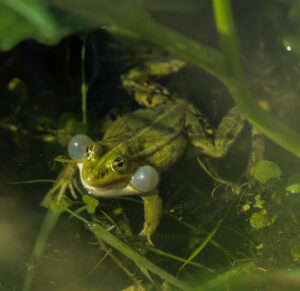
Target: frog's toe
72,186
147,231
66,180
61,193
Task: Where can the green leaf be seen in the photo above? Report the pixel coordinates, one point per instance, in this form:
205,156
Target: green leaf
22,19
61,207
293,184
259,219
268,173
91,203
258,202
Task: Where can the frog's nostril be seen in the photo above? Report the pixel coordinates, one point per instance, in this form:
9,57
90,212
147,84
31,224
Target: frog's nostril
101,174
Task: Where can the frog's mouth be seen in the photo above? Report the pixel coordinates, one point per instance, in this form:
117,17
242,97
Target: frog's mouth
120,183
110,189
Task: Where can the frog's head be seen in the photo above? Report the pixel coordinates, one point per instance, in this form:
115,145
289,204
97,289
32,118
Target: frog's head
103,167
107,172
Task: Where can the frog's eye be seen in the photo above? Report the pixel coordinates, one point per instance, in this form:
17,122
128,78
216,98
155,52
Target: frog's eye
78,146
145,179
119,164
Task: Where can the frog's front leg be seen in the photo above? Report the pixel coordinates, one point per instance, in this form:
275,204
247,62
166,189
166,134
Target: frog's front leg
137,81
214,143
153,211
66,180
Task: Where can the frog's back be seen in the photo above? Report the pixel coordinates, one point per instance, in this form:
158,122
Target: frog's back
151,136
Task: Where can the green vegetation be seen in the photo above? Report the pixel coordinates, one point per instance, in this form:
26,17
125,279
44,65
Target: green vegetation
232,223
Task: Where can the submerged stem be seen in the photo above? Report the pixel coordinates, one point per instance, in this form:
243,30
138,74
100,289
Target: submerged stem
143,263
84,87
236,83
39,247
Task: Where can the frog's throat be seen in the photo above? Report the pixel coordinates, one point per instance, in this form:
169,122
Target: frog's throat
108,191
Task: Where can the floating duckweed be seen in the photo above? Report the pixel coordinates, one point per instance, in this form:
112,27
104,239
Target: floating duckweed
90,202
258,202
294,184
259,219
295,253
246,207
260,246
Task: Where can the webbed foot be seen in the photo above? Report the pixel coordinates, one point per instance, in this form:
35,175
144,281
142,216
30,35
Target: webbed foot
66,180
214,143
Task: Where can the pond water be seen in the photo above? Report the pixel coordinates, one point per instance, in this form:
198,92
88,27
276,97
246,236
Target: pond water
228,227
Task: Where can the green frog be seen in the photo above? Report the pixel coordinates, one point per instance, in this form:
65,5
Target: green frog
140,145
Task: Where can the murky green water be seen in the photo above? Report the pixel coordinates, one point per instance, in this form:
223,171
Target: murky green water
242,231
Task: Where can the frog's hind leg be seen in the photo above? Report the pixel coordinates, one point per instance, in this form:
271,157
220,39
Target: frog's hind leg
228,130
137,81
214,143
199,131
